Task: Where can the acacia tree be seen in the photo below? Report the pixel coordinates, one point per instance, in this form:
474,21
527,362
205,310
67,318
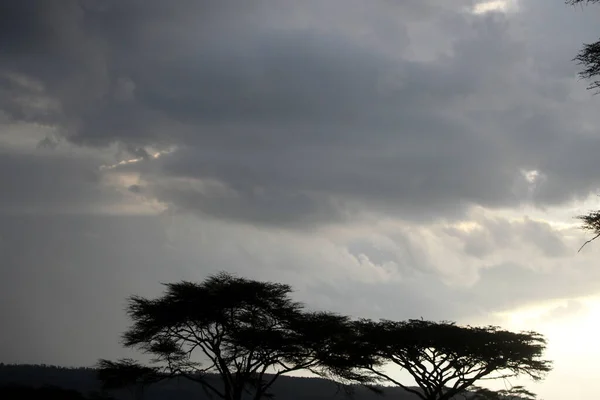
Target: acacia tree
445,359
248,332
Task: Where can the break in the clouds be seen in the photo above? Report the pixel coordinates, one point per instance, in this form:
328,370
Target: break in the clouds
397,159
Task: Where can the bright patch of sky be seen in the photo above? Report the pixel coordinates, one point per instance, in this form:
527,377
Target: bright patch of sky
492,6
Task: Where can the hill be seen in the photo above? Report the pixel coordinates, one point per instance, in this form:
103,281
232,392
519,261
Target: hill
84,381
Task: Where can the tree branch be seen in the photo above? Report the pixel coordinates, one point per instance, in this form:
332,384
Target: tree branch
589,241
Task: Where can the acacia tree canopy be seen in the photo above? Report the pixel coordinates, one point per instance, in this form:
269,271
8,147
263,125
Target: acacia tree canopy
246,331
249,333
445,359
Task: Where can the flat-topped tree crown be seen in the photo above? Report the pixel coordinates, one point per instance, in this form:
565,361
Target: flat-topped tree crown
445,359
221,301
238,328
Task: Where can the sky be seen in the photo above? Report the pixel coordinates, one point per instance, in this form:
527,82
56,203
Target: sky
387,158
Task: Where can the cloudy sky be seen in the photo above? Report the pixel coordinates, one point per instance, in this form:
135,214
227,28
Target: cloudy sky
388,158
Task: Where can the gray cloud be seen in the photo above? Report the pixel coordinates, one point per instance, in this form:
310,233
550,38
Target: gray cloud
292,103
571,309
42,183
48,261
496,234
510,286
64,280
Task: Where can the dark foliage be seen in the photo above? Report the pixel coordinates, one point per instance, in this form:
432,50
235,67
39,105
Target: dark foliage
589,56
589,59
250,333
118,374
590,222
127,373
445,359
514,393
47,392
85,380
237,328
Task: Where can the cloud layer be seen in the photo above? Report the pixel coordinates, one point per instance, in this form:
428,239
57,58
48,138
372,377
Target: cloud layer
294,115
395,159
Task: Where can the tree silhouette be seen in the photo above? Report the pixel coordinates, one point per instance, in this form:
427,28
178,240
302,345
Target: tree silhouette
21,392
127,373
514,393
590,222
248,332
589,56
445,359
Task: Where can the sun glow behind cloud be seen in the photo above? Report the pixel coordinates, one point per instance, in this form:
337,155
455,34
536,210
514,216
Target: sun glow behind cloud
491,6
570,326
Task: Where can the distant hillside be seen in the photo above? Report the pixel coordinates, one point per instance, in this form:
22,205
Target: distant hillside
84,380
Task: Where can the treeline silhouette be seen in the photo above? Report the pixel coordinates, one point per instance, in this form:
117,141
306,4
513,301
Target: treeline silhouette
42,381
251,333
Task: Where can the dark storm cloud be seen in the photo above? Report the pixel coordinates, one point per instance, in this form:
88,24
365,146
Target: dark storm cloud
287,101
281,208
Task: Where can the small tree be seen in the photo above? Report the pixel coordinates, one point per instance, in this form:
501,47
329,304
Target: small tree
248,332
127,373
514,393
445,359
